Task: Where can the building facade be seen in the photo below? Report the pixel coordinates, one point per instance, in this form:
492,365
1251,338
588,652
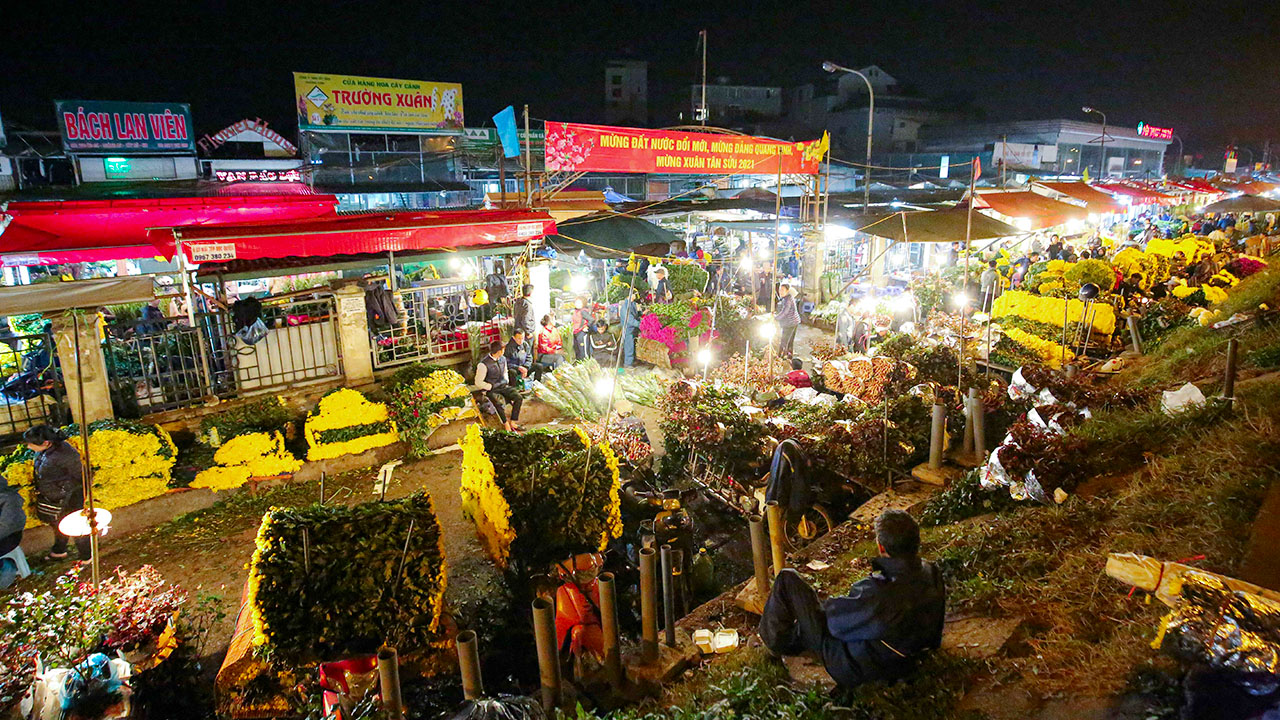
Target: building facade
1064,147
626,92
729,105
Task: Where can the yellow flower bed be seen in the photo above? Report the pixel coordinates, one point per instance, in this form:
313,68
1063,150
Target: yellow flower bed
244,456
1050,352
131,463
482,499
1049,310
1192,247
346,408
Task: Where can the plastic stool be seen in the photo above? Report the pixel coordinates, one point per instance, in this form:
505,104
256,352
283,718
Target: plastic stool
19,558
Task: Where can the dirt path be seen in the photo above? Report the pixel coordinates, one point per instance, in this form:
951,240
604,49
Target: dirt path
1262,563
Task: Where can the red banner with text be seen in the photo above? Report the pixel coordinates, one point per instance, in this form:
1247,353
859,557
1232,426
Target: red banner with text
572,147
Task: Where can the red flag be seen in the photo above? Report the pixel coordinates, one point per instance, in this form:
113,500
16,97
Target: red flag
977,167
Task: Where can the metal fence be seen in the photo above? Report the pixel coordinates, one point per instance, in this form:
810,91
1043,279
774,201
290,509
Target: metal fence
433,322
166,364
31,388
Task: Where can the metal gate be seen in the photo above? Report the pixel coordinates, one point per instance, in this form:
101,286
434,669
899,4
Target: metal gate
434,322
166,364
31,388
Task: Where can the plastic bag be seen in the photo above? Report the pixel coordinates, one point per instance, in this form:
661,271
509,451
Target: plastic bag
993,473
805,395
1184,398
1019,388
252,334
503,707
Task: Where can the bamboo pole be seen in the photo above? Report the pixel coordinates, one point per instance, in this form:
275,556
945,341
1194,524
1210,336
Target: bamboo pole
648,606
978,416
469,665
777,535
544,635
937,440
760,561
389,682
1229,383
668,598
609,629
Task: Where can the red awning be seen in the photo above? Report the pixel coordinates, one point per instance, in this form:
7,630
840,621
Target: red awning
1201,186
368,233
1096,201
1037,210
49,233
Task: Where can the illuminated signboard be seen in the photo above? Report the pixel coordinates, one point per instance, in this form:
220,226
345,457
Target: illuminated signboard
1155,133
117,166
257,175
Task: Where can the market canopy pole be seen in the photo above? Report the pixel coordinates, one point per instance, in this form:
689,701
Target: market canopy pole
976,167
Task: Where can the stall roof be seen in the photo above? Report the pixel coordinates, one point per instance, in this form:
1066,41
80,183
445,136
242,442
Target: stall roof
58,296
1200,185
947,225
1256,187
1137,196
1243,203
564,205
357,234
1095,200
609,235
1040,211
53,232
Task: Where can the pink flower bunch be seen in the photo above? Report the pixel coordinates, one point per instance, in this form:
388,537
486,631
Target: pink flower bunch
695,319
651,328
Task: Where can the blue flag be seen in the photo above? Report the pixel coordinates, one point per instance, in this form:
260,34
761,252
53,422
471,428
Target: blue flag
506,122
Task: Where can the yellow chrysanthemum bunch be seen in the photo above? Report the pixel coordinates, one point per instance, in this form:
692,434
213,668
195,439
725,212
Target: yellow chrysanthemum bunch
1192,247
128,466
1050,352
482,499
244,456
261,545
1049,310
348,409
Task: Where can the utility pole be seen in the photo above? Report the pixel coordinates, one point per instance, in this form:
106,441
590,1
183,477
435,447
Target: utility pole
1004,158
702,110
528,162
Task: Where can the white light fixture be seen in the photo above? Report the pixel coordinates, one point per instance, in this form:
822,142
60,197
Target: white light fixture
866,305
903,302
960,300
785,227
704,356
454,263
746,263
768,330
77,523
762,253
578,284
604,387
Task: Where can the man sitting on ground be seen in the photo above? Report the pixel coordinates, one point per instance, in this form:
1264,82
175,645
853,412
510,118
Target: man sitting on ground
876,632
519,358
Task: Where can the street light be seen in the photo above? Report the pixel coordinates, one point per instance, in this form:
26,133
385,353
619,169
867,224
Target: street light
1102,162
871,116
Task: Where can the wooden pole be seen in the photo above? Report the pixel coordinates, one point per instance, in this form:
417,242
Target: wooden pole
1135,336
469,665
977,414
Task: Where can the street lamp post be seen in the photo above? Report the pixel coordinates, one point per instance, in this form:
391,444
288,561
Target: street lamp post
1177,162
1102,162
871,116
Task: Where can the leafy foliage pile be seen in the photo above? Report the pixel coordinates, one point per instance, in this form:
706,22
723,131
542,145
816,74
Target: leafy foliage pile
710,421
540,496
332,580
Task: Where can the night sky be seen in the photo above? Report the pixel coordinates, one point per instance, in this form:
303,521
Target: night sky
1210,70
